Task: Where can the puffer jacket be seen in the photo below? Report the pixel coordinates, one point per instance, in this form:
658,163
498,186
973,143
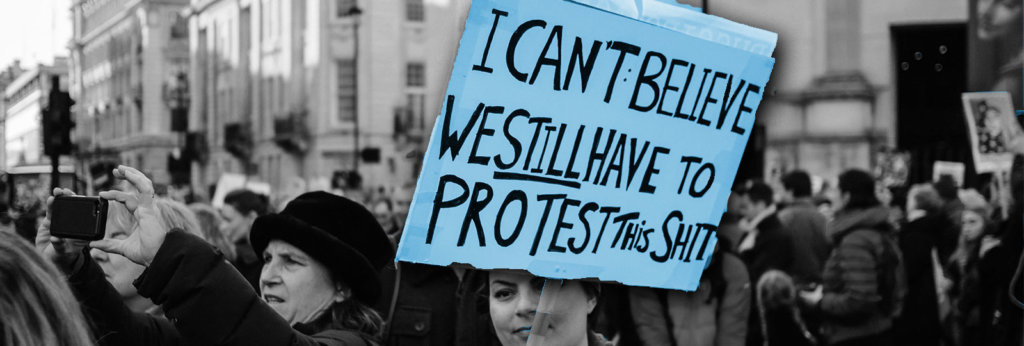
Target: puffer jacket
857,302
696,318
207,302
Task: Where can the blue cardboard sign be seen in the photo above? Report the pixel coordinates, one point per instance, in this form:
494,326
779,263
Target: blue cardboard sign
578,142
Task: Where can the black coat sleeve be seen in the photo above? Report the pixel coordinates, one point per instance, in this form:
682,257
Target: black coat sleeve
112,322
208,301
773,249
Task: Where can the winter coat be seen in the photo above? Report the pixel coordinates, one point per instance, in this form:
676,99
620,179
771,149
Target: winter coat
806,226
695,318
1001,319
206,302
856,303
783,328
773,249
917,240
425,313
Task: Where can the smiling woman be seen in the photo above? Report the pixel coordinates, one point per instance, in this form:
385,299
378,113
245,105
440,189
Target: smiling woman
514,297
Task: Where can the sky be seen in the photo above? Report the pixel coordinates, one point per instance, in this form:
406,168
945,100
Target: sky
34,31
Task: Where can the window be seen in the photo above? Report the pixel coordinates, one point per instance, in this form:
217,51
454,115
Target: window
414,10
415,103
344,7
346,90
415,74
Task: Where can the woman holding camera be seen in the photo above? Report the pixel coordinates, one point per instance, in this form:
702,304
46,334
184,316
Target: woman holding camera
321,256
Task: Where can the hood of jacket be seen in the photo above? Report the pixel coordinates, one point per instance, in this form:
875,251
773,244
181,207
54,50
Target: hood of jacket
846,221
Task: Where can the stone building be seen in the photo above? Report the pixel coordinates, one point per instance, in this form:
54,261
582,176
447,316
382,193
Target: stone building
24,100
126,59
853,77
292,93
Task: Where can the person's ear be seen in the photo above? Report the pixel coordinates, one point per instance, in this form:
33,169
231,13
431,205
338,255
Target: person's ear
591,303
341,293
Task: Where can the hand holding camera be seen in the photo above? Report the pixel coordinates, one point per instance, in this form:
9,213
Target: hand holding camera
52,244
141,246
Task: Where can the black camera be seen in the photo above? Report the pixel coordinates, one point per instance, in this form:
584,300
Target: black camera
78,217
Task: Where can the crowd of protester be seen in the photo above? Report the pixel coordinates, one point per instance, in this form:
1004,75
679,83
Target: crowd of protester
927,265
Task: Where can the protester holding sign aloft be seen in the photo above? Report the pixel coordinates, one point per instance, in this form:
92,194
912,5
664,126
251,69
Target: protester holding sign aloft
864,282
321,257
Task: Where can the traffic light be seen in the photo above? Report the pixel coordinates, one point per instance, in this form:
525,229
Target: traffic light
57,123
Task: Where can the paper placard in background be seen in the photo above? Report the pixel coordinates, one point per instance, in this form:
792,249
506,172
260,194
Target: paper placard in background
991,129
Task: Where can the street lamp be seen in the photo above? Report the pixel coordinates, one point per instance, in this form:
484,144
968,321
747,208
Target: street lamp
355,12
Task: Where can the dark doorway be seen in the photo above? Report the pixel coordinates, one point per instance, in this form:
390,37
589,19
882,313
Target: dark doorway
752,162
931,72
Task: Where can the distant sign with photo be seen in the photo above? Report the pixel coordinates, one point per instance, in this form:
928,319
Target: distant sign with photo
991,129
955,170
588,141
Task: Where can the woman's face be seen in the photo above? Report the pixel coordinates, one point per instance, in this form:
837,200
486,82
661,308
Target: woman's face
996,17
119,271
883,194
295,285
514,296
971,225
235,223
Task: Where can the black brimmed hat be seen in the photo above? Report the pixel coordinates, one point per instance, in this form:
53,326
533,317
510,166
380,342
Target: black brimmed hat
338,232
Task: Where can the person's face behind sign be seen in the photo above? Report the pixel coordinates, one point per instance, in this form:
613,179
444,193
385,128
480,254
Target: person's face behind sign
514,296
296,286
235,223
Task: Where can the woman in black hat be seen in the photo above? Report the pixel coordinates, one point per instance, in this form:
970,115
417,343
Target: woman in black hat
321,257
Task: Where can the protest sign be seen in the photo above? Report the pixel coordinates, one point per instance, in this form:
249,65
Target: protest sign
892,167
230,182
991,128
576,142
955,170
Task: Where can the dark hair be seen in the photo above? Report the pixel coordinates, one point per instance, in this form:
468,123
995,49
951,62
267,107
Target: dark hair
946,187
761,192
926,198
355,316
246,201
798,182
861,187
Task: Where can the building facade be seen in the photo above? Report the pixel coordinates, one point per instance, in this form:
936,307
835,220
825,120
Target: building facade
835,98
293,92
8,75
126,56
24,100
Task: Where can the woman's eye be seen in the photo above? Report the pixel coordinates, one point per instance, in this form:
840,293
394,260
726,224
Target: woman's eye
266,258
503,294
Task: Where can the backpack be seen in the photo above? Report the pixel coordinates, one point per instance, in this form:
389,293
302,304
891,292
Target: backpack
892,278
